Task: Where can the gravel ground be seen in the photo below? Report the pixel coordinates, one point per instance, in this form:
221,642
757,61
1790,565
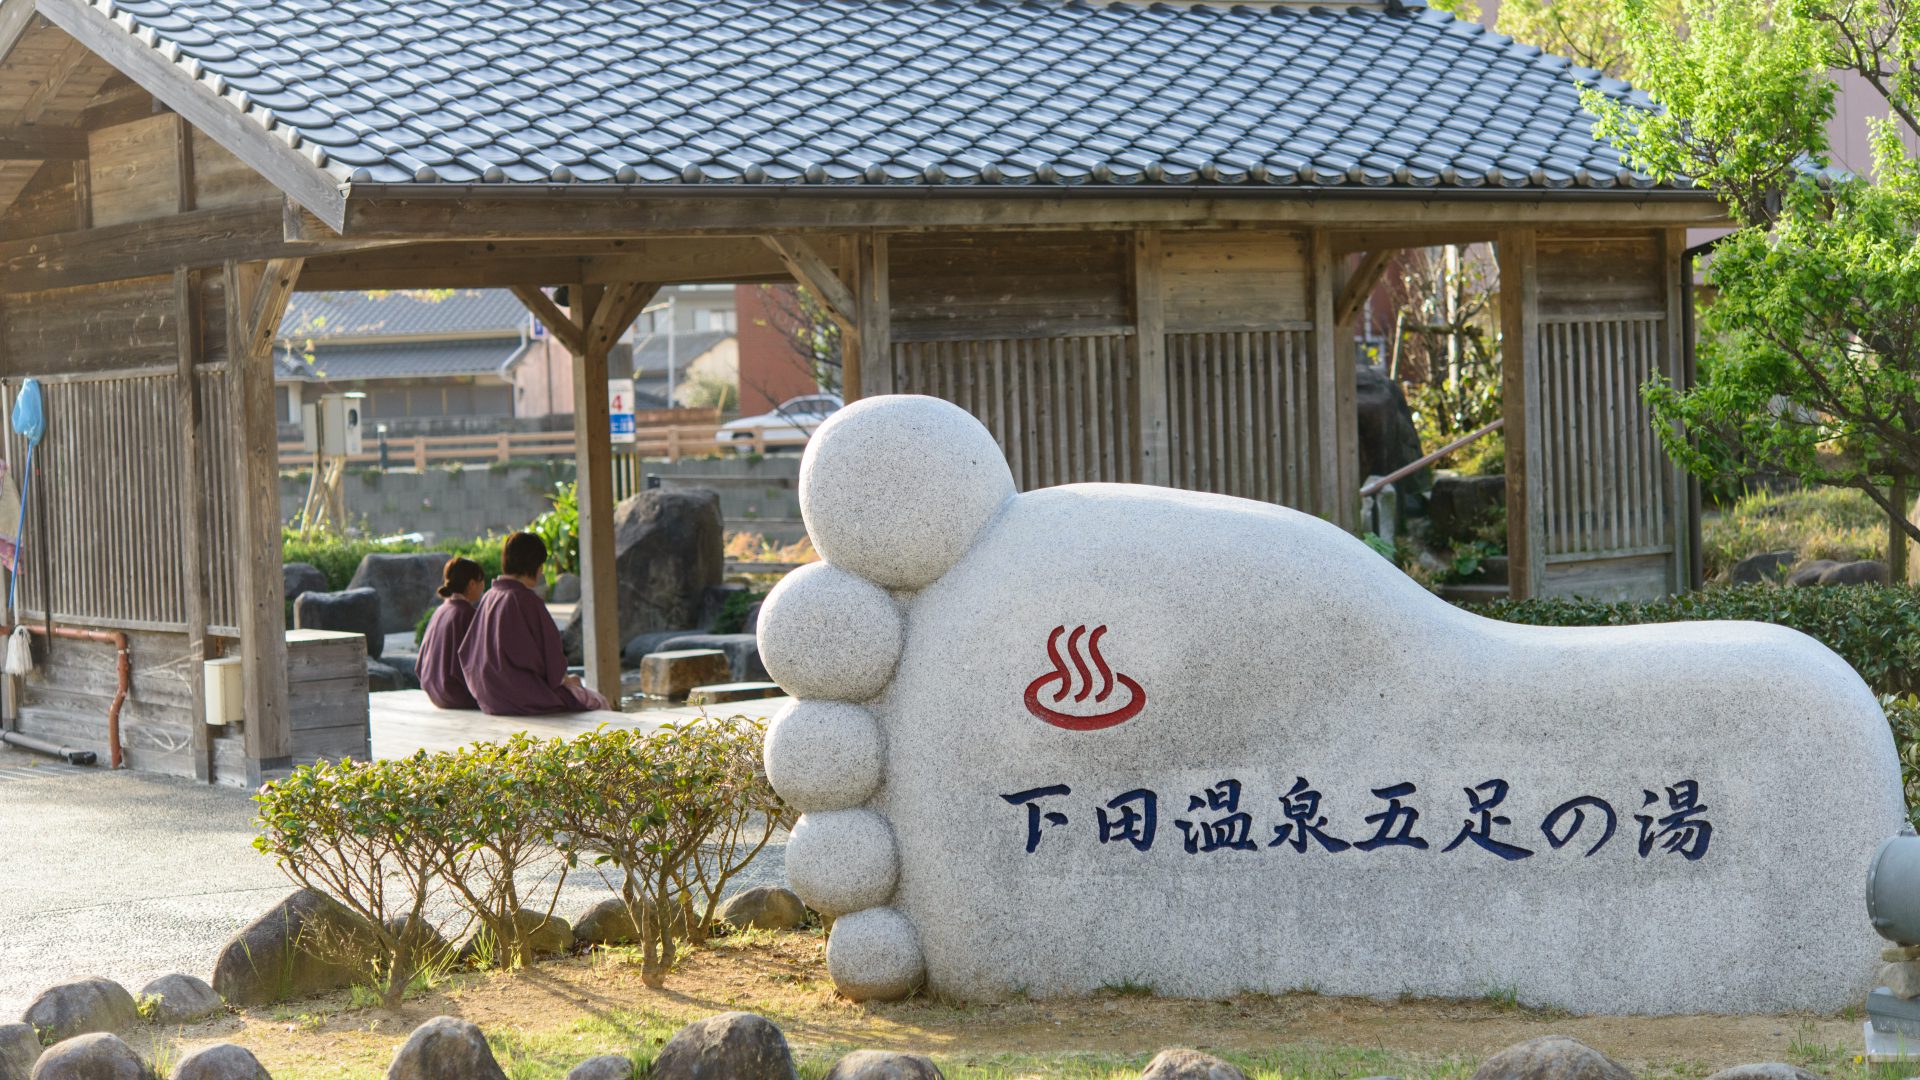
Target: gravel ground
132,876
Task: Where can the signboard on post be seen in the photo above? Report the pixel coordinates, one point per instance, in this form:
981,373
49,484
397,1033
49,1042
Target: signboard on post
620,405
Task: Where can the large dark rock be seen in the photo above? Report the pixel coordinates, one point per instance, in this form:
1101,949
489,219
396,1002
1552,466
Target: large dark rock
299,577
606,923
604,1067
638,646
539,934
408,585
1864,572
1457,504
354,611
1809,573
743,652
221,1061
763,907
306,944
383,678
565,590
1762,566
1189,1065
1388,440
668,548
76,1008
884,1065
445,1048
98,1056
407,666
19,1049
179,999
1551,1057
731,1046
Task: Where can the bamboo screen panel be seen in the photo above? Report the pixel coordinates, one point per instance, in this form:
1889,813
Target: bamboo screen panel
1609,486
1061,408
103,540
1241,412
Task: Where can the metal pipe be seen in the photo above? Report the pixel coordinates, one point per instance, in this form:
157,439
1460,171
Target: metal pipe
1405,471
41,746
116,638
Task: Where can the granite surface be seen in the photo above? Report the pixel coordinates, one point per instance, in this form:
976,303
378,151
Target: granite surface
1211,746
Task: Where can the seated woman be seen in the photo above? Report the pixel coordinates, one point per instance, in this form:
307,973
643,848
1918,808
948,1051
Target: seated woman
512,656
440,674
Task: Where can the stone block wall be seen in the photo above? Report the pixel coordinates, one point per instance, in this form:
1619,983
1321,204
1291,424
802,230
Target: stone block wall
444,504
758,495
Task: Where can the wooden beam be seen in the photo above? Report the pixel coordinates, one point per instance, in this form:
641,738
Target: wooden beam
394,212
809,269
593,454
1150,403
16,18
200,238
1683,509
251,291
1353,295
500,264
290,170
192,508
875,300
618,308
64,66
1349,243
558,323
42,144
1326,382
1521,405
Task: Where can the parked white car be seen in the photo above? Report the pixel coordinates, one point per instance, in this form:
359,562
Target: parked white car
787,427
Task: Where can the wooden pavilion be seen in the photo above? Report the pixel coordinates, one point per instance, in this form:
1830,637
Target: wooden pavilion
1131,239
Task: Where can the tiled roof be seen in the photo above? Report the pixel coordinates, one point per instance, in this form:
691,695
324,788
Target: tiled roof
398,360
333,315
898,92
650,351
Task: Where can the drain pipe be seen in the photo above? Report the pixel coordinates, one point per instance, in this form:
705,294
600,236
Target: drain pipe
116,638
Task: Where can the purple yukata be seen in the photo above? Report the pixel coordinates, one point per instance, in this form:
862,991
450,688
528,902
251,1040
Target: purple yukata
440,674
513,660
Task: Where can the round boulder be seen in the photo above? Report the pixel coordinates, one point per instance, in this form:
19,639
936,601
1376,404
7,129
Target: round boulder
299,577
1809,573
604,1067
425,945
884,1065
445,1048
1864,572
731,1046
179,999
1183,1064
355,611
1765,566
77,1008
19,1049
221,1061
606,923
383,677
764,907
408,585
306,944
98,1056
1551,1057
540,935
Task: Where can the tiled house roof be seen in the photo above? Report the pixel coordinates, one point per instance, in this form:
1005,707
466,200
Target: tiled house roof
462,312
846,93
397,360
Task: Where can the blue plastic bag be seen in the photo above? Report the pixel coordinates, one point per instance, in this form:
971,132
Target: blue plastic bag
29,416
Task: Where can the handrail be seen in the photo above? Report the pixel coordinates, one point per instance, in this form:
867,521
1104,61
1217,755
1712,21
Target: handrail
1373,487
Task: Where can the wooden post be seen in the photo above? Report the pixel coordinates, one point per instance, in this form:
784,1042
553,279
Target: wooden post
593,453
1683,506
193,549
256,297
1328,498
1149,405
1346,412
1520,380
876,316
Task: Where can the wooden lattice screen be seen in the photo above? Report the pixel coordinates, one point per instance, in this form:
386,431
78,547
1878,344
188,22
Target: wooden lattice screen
1240,413
104,539
1609,487
1060,407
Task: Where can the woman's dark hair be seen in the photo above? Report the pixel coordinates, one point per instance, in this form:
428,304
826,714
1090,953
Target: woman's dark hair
523,555
460,573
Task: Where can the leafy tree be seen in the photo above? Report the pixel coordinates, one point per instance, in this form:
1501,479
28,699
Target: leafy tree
1810,351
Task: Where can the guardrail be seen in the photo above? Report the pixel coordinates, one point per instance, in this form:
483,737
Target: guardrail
669,441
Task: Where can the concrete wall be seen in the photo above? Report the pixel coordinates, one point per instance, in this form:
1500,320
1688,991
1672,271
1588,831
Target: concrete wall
442,503
758,496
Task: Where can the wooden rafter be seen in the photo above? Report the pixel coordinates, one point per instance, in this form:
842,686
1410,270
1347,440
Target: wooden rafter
809,269
558,322
1353,295
16,18
680,259
620,305
70,60
260,301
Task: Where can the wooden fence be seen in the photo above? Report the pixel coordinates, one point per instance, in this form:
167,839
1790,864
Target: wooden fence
1609,486
1240,411
1061,408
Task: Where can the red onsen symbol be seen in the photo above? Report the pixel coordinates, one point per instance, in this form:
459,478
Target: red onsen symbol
1136,697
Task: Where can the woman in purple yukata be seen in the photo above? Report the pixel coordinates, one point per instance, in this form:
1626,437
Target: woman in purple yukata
512,656
440,674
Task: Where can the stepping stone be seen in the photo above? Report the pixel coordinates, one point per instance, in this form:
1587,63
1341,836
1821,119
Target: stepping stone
671,675
720,693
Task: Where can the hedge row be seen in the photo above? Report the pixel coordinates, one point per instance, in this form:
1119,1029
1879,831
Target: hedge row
1875,628
667,819
338,557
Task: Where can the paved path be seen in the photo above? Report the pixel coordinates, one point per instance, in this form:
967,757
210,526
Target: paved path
133,876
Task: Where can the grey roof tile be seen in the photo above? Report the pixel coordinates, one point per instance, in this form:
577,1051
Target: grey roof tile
860,92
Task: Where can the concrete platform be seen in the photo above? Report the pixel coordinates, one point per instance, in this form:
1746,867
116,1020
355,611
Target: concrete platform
404,721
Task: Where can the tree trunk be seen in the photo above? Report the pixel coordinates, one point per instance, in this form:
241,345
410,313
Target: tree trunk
1897,530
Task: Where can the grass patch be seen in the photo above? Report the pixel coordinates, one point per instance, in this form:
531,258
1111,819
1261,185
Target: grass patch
1819,523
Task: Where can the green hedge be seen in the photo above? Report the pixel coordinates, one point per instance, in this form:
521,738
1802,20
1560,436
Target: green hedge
1875,628
338,557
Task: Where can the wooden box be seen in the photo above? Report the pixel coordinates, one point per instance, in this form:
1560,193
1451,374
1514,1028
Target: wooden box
327,695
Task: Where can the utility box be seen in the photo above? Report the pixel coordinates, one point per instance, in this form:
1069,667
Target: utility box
332,425
225,701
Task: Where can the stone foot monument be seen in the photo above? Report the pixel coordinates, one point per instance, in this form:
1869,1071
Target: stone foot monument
1053,741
